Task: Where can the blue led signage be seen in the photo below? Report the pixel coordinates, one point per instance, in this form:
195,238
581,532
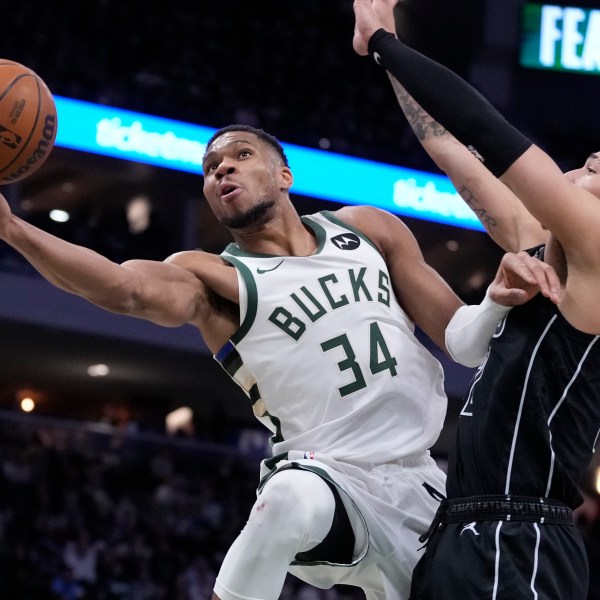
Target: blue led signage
171,144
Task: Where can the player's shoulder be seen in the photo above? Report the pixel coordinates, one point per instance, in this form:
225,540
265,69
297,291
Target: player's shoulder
375,223
365,216
216,279
190,259
210,271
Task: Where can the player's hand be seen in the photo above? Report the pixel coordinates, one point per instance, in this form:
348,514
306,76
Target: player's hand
5,214
520,277
370,16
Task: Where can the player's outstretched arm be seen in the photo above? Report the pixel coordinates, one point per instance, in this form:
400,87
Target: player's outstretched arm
499,210
444,95
570,212
504,217
163,293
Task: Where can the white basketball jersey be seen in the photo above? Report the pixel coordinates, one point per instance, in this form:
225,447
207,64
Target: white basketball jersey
328,356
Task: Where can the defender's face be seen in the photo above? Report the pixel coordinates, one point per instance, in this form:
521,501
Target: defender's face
241,172
588,176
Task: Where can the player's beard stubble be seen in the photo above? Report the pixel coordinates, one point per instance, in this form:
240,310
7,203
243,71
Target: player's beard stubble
250,217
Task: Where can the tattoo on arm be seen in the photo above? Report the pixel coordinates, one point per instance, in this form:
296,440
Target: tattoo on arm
422,123
487,220
424,126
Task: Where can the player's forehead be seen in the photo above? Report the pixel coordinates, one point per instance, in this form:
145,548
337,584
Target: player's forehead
233,138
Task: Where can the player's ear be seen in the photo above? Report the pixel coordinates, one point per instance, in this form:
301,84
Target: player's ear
287,179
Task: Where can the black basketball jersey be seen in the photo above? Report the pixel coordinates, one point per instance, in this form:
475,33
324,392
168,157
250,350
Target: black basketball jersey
531,419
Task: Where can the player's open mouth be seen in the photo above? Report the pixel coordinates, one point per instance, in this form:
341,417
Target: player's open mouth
227,190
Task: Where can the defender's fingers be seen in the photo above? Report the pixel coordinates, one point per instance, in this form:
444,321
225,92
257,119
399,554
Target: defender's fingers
544,276
519,265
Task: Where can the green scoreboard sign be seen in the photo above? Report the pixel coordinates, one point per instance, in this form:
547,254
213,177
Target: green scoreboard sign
561,38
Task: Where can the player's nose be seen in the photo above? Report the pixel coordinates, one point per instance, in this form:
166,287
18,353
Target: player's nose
226,167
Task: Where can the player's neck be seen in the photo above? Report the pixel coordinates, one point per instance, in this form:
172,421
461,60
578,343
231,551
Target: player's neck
279,237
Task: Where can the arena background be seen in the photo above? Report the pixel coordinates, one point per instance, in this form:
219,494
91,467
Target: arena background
286,67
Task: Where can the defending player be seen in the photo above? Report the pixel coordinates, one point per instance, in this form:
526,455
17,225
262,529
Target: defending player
531,420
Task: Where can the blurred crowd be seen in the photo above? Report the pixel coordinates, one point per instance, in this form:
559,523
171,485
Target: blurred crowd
101,513
93,515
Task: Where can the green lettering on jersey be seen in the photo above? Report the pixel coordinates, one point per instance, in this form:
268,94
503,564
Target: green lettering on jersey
320,309
380,358
384,289
379,349
347,363
343,299
358,284
289,324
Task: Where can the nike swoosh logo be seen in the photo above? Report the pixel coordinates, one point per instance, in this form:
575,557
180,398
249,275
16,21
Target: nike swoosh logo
261,271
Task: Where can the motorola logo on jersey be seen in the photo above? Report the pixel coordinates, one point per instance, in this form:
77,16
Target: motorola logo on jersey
346,241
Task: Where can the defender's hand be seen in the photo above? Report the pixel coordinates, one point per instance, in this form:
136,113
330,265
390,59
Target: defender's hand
520,277
371,15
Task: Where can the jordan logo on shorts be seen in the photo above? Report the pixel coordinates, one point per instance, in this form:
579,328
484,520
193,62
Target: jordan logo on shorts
470,527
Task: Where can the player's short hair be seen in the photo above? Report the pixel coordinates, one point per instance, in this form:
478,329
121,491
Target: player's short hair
259,133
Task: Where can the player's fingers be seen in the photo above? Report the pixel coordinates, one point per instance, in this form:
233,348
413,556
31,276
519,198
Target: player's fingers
541,274
509,296
518,265
552,284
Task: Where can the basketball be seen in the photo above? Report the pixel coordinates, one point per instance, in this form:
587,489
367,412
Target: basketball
28,122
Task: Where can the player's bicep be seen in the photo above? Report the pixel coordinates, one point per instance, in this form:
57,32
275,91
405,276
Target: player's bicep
428,300
163,293
422,292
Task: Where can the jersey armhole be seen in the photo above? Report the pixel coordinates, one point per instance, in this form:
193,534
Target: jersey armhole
248,297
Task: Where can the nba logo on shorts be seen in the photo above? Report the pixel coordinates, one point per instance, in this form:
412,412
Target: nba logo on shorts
309,455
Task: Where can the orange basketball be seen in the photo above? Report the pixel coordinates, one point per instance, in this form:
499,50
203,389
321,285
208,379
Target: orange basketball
28,122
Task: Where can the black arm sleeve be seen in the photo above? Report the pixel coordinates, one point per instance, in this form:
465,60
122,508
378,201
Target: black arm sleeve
452,102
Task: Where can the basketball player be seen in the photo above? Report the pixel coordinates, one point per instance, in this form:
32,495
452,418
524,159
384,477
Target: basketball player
531,420
314,318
